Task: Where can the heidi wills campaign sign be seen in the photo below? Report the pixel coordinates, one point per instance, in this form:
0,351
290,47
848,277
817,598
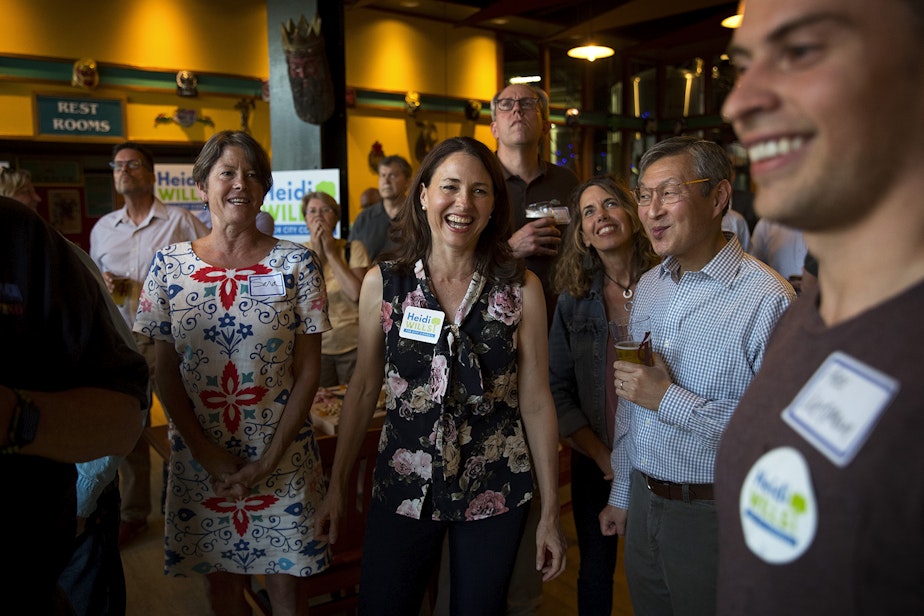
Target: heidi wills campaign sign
175,186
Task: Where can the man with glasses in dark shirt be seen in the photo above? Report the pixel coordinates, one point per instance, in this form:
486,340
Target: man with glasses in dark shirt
520,123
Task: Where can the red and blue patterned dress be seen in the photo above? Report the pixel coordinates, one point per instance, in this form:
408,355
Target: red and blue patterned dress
234,330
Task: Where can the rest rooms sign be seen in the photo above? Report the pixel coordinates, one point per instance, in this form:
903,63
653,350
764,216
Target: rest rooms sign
79,117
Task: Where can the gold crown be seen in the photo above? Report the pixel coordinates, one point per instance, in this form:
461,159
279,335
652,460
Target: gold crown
301,36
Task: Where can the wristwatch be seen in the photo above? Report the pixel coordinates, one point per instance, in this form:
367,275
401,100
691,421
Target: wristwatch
23,423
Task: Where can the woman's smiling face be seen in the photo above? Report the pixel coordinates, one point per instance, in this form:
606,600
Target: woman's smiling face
234,192
605,224
459,200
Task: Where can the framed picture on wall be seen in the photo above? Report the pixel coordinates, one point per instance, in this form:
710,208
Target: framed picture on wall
100,199
50,172
64,210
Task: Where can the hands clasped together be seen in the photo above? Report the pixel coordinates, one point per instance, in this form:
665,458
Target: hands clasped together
322,236
230,476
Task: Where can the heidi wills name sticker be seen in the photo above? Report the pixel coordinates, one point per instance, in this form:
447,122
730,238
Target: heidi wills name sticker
422,324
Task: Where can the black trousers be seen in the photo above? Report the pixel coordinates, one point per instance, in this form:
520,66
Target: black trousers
400,554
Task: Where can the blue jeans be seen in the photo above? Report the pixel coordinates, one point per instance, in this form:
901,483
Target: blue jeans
589,494
93,579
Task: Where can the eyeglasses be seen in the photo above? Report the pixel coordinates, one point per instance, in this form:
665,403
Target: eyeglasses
122,165
669,193
526,104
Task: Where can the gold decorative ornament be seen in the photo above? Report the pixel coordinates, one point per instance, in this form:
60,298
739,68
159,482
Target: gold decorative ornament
85,74
309,74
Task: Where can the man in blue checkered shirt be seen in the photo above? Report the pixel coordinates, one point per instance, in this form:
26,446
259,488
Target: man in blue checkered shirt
711,309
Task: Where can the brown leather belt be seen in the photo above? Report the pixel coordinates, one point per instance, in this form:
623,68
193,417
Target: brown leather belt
676,491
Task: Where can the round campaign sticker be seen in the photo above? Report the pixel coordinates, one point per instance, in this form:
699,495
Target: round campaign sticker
779,514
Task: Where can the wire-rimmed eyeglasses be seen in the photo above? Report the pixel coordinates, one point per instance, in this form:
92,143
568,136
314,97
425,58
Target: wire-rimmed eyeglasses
122,165
526,104
668,193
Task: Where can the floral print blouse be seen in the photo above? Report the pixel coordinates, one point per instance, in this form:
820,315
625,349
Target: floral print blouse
452,445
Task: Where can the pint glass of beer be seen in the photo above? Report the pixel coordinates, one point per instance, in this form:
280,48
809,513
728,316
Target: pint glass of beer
632,339
121,289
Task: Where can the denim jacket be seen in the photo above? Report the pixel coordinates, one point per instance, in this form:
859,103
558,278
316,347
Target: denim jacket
577,361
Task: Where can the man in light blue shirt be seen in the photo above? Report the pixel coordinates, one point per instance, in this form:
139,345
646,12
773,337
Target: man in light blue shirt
711,310
122,245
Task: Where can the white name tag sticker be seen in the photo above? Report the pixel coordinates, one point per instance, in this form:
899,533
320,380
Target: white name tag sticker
266,285
422,324
839,406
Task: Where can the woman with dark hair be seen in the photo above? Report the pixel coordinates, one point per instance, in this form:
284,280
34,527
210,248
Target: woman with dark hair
604,253
457,328
237,318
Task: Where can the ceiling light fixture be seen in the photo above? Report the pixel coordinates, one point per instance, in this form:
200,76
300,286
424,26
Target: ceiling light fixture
591,52
735,20
524,79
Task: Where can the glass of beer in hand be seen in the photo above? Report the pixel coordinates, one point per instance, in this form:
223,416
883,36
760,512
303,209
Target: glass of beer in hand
121,288
124,289
632,339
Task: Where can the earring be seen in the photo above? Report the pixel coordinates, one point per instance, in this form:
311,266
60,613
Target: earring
423,207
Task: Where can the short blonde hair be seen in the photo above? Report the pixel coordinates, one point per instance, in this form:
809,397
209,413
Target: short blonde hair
13,181
321,196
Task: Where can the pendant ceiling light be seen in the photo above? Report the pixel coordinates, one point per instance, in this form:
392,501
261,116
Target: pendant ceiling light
590,52
735,20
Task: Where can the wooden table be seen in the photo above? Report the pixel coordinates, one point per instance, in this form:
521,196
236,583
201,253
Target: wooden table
325,412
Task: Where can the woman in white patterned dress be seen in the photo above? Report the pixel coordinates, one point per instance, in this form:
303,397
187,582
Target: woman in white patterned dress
237,318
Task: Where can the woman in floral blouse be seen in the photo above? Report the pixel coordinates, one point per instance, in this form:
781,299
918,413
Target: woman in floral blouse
457,328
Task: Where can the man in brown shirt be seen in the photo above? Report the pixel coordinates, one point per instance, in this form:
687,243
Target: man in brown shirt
819,489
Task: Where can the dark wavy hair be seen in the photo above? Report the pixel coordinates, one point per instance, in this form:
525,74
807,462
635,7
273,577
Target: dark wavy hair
578,264
410,232
253,152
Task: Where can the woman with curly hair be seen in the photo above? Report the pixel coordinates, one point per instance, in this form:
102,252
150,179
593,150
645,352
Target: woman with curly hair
604,254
